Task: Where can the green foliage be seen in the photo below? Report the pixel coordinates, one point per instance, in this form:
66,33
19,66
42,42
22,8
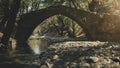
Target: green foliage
29,5
61,26
106,6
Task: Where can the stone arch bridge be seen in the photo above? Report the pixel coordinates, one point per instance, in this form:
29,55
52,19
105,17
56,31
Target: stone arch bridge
102,27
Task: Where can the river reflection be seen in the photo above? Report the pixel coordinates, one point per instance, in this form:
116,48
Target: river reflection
38,45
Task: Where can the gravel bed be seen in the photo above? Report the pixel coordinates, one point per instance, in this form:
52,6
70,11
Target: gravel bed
81,54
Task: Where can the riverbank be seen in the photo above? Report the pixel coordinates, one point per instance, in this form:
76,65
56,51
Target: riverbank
19,61
82,54
68,54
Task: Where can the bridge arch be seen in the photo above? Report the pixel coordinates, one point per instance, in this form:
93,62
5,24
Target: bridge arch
59,25
94,25
30,21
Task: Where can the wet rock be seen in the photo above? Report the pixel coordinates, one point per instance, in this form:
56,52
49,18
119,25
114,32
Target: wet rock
59,64
73,65
55,57
92,59
107,61
44,66
117,59
84,65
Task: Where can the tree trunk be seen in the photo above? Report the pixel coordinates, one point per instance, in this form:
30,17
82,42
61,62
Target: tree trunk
2,24
6,14
11,21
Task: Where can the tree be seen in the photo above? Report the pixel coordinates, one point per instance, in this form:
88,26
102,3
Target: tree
12,9
5,13
11,18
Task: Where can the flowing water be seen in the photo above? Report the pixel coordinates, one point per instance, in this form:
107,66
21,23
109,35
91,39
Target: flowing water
38,45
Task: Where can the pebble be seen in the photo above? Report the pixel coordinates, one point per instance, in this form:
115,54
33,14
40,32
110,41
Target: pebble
55,57
43,66
92,59
86,64
73,65
117,59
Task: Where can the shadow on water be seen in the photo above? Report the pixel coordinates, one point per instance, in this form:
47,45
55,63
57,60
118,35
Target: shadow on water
19,61
12,60
18,66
